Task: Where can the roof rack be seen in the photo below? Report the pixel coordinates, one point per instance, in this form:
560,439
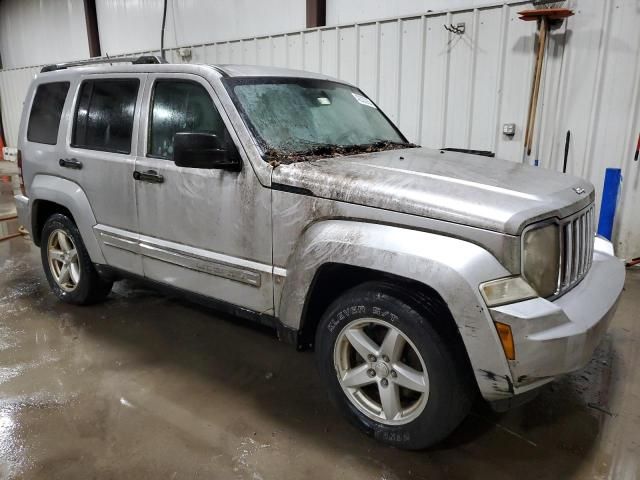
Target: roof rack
142,60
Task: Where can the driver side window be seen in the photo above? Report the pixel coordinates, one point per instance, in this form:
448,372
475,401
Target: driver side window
180,106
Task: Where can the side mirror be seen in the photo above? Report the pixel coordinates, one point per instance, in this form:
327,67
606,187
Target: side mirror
203,150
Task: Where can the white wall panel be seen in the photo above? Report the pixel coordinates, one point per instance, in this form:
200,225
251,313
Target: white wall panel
250,52
448,90
33,32
515,83
295,51
484,87
348,54
462,51
13,89
329,55
367,68
192,22
279,50
409,75
312,50
435,80
389,67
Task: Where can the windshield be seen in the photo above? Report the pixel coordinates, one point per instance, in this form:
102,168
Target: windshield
295,119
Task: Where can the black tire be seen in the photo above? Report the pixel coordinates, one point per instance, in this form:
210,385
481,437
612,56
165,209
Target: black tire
91,288
427,323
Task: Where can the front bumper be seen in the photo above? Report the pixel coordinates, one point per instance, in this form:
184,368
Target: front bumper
552,338
23,211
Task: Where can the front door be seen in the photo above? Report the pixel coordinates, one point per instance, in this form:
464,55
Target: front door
204,230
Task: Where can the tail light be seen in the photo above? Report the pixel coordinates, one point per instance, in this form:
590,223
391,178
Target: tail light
20,175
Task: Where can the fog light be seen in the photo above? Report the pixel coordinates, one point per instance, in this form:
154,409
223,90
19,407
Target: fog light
506,338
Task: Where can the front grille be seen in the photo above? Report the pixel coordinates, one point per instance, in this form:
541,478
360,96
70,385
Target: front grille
576,248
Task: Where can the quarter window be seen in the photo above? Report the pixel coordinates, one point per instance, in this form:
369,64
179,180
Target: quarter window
104,116
180,106
44,120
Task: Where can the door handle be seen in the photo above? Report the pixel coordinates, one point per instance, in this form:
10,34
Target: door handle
70,163
150,176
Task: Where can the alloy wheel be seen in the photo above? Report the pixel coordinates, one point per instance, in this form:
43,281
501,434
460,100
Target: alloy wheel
64,263
381,371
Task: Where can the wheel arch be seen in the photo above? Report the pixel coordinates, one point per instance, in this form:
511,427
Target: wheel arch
40,212
343,253
333,279
48,195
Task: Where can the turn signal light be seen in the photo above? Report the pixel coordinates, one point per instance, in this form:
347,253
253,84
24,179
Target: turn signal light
506,338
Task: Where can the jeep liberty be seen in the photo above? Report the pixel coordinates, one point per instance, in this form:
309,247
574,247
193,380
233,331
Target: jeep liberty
421,278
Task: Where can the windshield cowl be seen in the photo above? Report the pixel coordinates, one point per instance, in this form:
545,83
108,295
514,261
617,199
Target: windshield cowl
279,157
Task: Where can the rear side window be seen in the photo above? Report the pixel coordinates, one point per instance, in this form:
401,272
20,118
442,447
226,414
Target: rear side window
44,120
104,116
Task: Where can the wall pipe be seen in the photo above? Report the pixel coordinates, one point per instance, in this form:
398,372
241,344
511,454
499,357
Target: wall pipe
164,22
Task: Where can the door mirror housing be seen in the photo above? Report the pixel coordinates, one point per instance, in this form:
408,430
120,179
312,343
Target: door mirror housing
204,150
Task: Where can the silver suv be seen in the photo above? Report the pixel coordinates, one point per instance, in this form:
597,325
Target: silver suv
419,277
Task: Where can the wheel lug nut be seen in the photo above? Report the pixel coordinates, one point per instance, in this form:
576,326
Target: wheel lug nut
384,382
385,358
394,374
371,372
372,358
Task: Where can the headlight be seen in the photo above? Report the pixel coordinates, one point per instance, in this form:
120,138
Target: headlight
541,259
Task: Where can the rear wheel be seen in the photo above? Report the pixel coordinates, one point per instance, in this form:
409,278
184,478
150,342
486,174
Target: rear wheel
396,377
67,265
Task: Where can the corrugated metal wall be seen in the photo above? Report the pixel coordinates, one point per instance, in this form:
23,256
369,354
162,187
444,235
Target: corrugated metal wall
36,31
13,88
447,90
192,21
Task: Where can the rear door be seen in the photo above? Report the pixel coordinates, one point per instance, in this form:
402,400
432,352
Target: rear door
204,230
101,155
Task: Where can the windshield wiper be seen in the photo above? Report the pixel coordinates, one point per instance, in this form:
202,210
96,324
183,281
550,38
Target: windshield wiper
381,142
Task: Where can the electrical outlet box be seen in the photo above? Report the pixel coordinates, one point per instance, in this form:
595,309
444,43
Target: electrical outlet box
509,129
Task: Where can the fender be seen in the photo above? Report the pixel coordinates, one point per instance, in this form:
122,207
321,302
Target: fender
72,197
452,267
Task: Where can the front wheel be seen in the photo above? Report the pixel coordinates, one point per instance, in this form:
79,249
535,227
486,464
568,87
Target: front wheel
67,265
395,375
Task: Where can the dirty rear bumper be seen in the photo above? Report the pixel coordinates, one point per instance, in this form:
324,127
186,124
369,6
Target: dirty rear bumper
553,338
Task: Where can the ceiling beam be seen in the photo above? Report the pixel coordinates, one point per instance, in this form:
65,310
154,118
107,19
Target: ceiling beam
91,18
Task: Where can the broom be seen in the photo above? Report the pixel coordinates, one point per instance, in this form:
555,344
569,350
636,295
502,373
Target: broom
545,11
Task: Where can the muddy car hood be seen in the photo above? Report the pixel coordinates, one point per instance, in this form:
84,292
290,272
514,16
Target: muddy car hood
483,192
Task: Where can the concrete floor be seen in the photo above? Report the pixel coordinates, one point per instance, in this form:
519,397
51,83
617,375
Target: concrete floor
145,386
